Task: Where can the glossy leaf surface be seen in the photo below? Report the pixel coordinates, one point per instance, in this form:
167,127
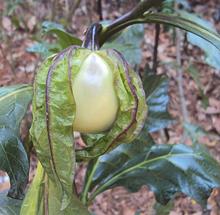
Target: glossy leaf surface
156,90
165,169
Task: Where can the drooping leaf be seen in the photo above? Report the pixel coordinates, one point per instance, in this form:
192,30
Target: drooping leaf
212,54
184,21
9,206
156,90
129,44
165,169
65,39
13,157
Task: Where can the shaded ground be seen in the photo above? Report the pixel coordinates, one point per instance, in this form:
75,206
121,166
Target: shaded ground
19,66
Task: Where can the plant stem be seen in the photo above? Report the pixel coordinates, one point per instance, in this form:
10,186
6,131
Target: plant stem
99,9
84,194
128,19
156,44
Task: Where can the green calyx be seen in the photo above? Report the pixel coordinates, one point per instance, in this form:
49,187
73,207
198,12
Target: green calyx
93,92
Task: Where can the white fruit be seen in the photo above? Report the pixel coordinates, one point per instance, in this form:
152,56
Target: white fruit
95,97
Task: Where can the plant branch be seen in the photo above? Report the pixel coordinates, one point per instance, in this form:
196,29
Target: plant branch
179,20
99,9
129,18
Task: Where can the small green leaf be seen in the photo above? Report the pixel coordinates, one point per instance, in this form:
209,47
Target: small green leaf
65,38
156,90
9,206
129,44
166,169
44,49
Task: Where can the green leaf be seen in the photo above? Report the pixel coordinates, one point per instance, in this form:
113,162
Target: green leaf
9,206
65,38
129,44
212,54
13,157
165,169
98,170
44,49
156,90
14,101
184,21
